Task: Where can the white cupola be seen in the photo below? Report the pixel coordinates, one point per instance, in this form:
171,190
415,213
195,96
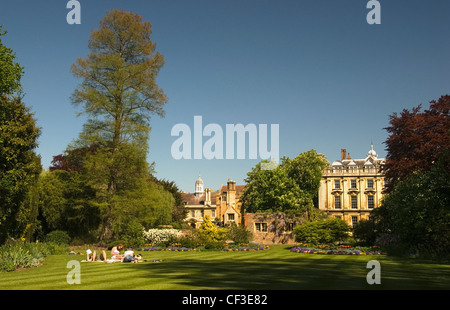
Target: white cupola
372,152
199,186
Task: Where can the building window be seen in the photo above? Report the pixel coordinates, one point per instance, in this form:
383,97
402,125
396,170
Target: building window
370,202
354,220
353,184
213,213
337,184
337,202
289,227
369,183
192,213
231,216
261,227
202,212
354,201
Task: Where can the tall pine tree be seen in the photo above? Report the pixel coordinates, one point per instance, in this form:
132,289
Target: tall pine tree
118,94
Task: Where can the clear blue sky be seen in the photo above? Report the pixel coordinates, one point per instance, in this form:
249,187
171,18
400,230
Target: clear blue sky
316,68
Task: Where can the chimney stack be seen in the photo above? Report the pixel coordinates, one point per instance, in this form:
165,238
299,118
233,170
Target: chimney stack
343,154
231,185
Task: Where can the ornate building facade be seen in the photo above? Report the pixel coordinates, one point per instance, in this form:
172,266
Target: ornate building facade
351,188
223,206
228,203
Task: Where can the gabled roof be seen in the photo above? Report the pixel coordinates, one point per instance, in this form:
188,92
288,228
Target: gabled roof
192,199
370,160
239,189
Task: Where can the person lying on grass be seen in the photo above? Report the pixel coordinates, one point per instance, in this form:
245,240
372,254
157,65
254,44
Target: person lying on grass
94,257
128,257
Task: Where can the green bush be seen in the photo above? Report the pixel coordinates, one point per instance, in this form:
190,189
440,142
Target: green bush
214,245
58,237
133,235
188,241
325,231
365,233
239,234
53,248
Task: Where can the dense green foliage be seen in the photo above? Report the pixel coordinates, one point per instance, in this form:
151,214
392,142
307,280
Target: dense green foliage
326,231
239,234
364,232
74,202
415,216
306,170
292,185
67,203
19,164
10,71
179,210
58,237
272,191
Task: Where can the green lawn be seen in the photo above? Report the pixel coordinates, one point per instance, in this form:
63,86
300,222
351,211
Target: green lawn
273,269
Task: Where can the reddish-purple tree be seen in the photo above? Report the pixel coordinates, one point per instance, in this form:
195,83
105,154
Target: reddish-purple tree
417,140
72,160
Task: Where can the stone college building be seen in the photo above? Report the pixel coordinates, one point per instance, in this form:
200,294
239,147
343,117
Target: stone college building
351,188
223,206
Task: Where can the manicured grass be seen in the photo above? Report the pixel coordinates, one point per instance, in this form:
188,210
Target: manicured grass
273,269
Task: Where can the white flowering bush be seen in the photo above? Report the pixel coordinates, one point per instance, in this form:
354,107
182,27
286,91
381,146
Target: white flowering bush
161,236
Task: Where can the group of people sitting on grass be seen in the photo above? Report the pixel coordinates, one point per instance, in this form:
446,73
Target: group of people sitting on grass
127,257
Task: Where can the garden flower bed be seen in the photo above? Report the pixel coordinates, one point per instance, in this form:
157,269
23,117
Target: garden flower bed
226,247
18,255
246,247
340,250
171,248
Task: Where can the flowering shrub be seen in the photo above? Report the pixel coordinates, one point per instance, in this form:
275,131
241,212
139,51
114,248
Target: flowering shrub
161,236
209,233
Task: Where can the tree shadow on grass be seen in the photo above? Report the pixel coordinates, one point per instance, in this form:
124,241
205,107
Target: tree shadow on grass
295,272
254,274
